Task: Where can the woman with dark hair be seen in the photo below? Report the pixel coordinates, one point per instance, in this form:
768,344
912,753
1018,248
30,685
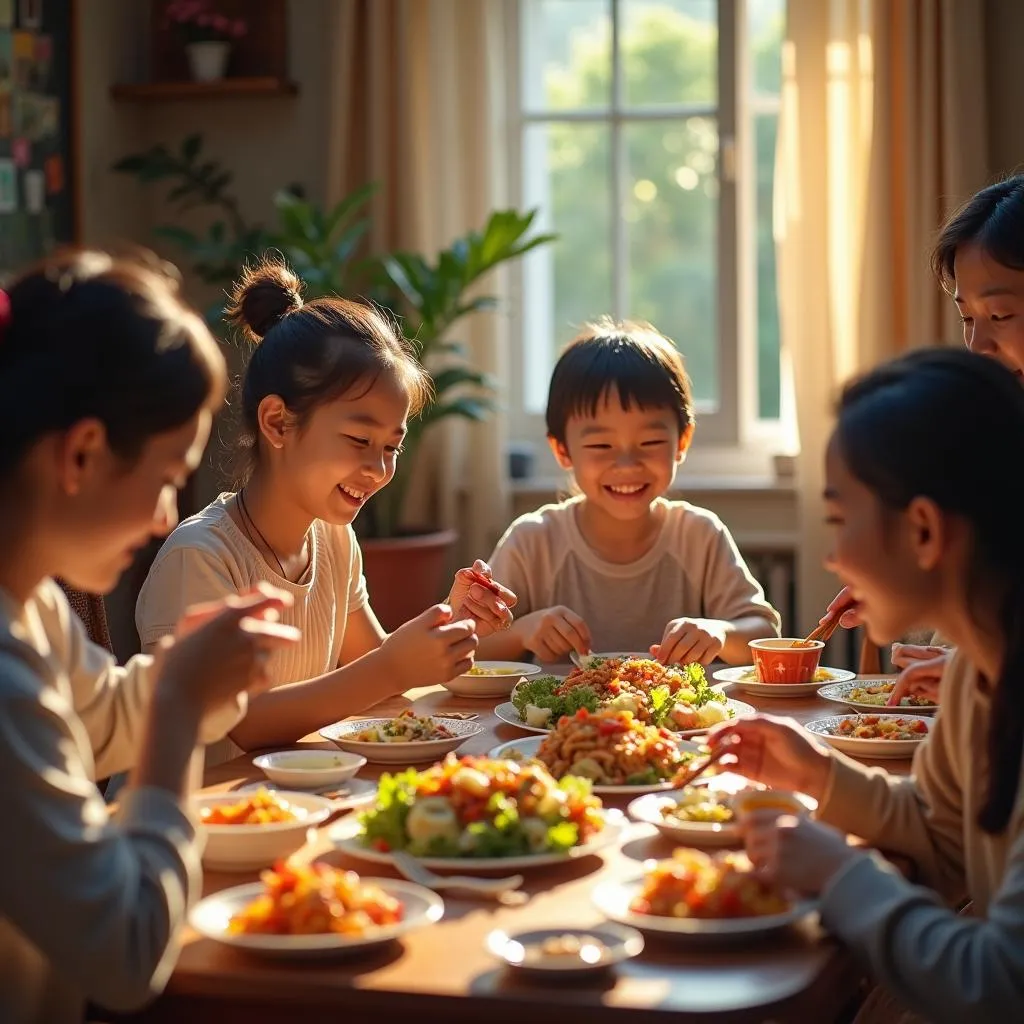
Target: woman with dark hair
979,261
925,534
107,387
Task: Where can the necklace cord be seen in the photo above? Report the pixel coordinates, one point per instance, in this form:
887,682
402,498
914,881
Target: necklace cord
249,521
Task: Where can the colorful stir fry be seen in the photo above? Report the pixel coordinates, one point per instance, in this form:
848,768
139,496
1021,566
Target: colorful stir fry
656,694
881,727
315,899
262,808
406,728
481,807
695,884
611,747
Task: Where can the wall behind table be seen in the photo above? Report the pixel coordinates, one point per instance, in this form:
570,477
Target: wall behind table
267,143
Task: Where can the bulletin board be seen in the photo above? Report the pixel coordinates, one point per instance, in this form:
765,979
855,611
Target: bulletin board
37,129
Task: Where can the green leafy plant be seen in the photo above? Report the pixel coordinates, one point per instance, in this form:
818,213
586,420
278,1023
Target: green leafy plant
429,297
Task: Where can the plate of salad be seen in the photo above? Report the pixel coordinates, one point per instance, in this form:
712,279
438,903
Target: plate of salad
479,814
679,698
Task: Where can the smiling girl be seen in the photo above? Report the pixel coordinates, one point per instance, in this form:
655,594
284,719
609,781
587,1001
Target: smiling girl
924,534
325,404
602,570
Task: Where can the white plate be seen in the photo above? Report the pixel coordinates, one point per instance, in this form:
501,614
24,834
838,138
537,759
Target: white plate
620,943
689,833
345,837
349,794
528,747
507,713
613,900
498,685
739,675
309,769
839,694
867,748
399,753
248,847
210,918
699,833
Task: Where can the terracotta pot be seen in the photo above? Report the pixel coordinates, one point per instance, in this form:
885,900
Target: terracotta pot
407,574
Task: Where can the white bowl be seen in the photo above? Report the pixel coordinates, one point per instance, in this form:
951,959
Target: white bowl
248,847
406,753
309,769
496,679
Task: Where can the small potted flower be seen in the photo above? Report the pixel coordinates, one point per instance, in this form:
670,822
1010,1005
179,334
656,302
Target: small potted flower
207,33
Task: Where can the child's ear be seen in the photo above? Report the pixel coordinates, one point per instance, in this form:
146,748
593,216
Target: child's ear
684,442
560,452
273,419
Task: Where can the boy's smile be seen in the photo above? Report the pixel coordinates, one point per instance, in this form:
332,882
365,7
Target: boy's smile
622,458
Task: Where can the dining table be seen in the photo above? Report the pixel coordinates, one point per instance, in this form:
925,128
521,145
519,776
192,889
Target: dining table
445,973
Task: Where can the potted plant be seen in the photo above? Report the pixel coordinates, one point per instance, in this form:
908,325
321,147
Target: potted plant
207,35
404,563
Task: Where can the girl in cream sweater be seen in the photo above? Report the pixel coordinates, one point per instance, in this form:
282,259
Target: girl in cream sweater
325,404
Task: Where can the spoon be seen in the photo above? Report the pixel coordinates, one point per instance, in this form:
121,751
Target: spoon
503,889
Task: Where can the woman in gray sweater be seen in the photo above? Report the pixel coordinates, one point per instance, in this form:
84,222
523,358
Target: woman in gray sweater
107,387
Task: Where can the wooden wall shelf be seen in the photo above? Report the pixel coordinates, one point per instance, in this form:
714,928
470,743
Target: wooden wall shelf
169,92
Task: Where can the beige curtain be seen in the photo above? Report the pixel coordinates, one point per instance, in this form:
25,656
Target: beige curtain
419,108
881,134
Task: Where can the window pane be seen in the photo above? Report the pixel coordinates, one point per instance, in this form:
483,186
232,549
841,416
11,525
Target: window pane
766,21
765,132
566,54
566,174
669,51
670,207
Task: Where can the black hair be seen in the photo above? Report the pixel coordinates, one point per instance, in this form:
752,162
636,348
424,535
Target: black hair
993,220
633,359
309,354
945,424
90,334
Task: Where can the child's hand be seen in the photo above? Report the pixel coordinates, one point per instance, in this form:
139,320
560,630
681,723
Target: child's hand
432,648
794,853
689,640
552,633
848,608
475,595
920,678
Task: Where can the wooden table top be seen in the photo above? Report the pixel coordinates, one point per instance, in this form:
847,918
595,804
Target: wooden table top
444,973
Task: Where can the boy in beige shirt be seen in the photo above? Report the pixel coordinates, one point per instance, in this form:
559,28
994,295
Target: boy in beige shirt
607,569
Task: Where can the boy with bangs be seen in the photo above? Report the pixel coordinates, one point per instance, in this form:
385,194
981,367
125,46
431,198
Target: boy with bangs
606,568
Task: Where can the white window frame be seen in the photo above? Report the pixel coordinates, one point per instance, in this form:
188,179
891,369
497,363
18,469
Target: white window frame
731,439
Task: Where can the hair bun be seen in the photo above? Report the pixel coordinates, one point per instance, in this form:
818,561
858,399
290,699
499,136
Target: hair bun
264,295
